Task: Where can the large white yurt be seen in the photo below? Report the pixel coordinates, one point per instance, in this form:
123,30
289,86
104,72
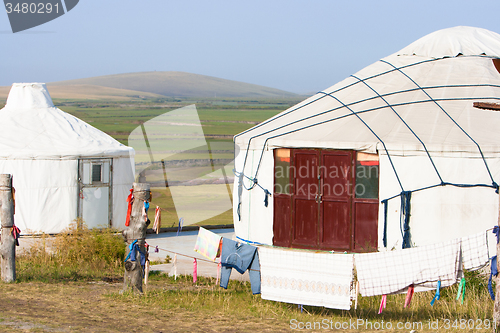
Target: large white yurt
62,167
405,152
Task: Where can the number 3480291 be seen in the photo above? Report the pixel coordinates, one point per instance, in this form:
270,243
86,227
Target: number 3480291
32,8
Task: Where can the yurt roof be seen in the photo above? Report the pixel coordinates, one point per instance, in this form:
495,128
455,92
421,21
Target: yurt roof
416,100
33,128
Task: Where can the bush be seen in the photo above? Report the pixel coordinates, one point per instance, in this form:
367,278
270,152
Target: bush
77,253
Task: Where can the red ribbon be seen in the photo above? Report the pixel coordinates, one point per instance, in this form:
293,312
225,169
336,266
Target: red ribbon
130,200
16,232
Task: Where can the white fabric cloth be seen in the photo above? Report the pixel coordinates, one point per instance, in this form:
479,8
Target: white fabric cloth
392,272
307,278
475,251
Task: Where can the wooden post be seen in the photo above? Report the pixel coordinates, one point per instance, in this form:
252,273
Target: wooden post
136,231
8,242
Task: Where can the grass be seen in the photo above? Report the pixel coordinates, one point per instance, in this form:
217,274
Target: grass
120,119
64,289
76,254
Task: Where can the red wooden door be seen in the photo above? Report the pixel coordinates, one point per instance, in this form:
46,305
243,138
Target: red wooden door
327,199
305,196
337,178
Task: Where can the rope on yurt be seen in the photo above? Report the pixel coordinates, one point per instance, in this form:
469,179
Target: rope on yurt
378,138
405,211
358,112
403,194
301,106
451,118
406,124
384,239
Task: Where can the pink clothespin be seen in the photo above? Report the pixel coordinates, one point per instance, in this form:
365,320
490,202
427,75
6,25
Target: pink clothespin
383,302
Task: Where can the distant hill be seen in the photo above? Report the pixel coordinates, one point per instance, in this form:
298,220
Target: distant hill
171,84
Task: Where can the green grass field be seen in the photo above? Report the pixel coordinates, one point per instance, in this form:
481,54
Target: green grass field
78,283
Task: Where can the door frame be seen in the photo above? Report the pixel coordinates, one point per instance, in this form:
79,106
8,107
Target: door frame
95,184
283,224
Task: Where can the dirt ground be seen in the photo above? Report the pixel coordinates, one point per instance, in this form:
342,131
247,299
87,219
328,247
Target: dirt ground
88,307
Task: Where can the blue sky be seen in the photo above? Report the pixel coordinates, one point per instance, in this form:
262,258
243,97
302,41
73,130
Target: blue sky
298,46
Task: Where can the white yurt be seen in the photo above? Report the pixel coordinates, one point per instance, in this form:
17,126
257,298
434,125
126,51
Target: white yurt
404,153
62,167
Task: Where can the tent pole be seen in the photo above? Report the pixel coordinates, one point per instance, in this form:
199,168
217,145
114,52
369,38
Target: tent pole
8,241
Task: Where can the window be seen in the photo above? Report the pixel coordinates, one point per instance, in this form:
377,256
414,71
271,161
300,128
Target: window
282,171
96,173
366,176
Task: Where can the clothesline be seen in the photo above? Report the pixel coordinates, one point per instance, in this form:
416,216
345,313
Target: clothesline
188,256
181,254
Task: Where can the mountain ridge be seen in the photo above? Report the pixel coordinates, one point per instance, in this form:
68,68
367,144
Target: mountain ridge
176,84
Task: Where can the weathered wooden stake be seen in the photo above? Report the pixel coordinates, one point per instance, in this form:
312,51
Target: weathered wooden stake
8,242
136,231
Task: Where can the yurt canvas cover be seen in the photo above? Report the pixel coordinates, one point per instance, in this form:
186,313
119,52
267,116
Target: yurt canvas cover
410,119
62,167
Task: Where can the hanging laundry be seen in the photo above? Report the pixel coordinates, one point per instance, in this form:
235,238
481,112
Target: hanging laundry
157,223
15,233
240,257
130,200
356,295
496,231
207,243
475,251
133,249
179,227
195,270
173,270
309,278
493,272
218,273
146,273
392,272
145,209
146,266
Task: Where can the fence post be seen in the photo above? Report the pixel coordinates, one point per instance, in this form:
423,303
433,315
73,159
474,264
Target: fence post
8,242
136,232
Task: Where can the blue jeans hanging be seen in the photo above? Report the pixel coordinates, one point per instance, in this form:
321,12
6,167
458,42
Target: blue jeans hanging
240,257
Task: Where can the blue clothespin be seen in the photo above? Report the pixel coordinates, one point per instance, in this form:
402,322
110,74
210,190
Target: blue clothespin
437,296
